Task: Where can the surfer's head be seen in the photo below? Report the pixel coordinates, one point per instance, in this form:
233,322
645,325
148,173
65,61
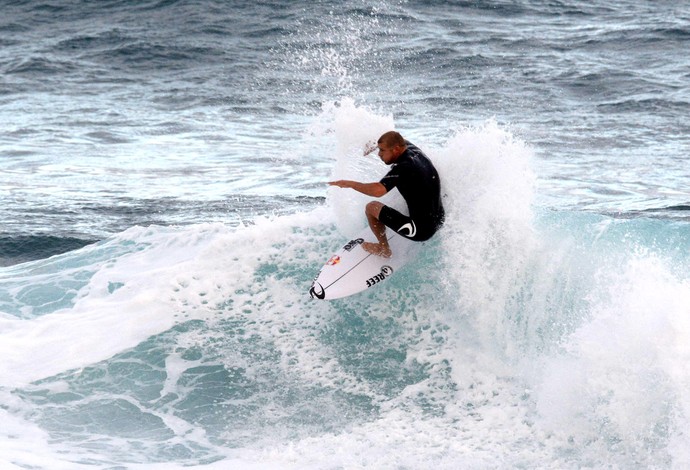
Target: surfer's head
391,146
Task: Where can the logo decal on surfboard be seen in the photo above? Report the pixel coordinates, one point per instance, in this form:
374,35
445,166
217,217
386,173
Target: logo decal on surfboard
385,272
316,291
335,259
411,229
353,243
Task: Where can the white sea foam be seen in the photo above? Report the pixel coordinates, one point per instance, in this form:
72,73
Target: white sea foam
620,381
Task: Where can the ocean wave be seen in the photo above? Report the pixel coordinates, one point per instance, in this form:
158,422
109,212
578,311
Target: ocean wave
219,346
15,249
39,65
76,223
644,104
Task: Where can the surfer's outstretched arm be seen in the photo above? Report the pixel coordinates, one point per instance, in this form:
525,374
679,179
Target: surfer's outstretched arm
369,189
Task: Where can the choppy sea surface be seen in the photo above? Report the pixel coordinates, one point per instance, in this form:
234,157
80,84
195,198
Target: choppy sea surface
164,210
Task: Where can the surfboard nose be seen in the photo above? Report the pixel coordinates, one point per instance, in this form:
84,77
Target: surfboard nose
317,291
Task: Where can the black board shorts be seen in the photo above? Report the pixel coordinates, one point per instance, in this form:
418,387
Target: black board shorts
405,226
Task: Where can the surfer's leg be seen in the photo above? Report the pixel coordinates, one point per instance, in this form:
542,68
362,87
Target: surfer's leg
381,248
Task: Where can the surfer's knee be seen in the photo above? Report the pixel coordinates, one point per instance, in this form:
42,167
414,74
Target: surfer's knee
373,208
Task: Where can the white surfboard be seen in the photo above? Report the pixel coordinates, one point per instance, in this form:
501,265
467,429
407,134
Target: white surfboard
352,269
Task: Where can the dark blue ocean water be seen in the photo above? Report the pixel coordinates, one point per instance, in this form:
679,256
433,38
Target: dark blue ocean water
164,210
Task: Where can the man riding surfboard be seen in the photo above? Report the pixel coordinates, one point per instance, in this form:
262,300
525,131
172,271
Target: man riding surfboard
419,184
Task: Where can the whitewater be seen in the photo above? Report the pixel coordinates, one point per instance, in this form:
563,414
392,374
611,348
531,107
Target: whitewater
165,209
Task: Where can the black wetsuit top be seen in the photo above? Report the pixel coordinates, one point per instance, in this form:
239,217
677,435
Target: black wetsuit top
419,184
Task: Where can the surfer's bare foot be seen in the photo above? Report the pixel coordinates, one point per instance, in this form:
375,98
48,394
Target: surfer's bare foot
377,249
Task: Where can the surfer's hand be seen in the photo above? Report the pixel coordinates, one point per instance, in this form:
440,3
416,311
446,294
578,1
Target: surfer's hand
370,147
340,183
375,189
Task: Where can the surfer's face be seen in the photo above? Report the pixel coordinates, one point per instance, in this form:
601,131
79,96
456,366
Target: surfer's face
388,154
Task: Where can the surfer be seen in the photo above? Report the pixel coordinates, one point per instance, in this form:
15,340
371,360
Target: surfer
419,184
